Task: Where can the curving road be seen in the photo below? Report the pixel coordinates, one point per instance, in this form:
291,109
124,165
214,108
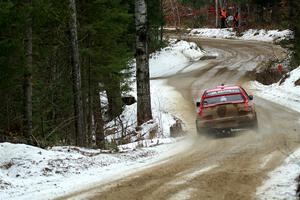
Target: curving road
224,168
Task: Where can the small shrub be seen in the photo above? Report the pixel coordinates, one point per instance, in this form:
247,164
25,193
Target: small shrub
268,73
113,146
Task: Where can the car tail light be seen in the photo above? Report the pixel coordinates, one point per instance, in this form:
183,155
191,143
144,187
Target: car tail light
245,110
247,107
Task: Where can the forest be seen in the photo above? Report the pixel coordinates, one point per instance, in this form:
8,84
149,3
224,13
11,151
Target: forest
57,55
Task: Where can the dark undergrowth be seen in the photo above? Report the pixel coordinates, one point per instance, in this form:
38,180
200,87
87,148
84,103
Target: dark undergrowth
298,187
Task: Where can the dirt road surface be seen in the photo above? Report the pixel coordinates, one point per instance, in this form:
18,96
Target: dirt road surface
227,168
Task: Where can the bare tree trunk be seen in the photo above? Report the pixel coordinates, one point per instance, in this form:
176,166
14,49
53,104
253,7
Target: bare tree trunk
260,13
78,107
178,15
27,85
275,16
239,15
114,97
217,12
144,112
173,11
221,5
162,23
100,138
89,106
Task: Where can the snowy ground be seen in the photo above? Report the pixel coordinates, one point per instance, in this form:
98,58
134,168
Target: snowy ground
164,101
281,183
175,58
286,94
28,172
251,34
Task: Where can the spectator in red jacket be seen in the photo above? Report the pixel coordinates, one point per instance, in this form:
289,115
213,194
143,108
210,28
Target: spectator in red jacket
223,16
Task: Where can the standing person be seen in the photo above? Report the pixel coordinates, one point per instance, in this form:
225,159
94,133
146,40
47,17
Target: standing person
223,16
279,68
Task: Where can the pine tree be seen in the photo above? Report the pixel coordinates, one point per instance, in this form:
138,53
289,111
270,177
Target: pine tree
27,84
294,16
76,73
12,64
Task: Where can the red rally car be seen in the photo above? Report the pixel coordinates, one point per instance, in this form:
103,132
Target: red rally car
225,108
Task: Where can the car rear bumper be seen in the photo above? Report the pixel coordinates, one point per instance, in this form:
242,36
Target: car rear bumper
245,121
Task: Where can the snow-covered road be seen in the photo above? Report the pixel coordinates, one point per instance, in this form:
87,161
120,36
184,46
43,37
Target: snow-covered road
225,168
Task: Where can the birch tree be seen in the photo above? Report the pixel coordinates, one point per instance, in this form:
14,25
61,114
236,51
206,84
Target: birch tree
76,75
144,112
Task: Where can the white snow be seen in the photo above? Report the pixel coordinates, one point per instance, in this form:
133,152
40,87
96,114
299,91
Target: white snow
183,194
185,177
174,58
266,160
226,33
164,100
196,173
281,183
267,35
286,94
28,172
170,28
251,34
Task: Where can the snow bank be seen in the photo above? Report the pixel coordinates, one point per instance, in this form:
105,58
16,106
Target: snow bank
267,35
286,94
281,183
251,34
172,59
226,33
163,99
28,172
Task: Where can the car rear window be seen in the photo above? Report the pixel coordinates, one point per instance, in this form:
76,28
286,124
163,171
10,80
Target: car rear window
223,99
222,92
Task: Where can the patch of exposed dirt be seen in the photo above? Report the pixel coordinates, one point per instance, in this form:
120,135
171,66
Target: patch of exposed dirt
6,165
4,184
285,76
297,83
268,74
